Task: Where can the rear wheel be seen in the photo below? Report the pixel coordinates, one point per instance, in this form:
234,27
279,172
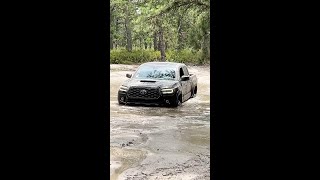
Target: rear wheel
194,92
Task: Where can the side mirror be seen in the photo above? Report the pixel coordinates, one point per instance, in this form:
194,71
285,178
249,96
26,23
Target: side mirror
128,75
185,78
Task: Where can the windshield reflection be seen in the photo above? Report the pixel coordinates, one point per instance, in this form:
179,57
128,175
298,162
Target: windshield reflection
150,72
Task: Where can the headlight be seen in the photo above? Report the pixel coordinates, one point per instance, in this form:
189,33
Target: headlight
167,91
123,88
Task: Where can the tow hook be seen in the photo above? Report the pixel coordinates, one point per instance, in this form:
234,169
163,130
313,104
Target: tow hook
167,101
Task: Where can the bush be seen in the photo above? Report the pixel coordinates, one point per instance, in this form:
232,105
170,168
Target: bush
134,57
187,56
183,56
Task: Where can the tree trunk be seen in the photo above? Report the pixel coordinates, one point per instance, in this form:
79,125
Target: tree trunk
155,44
111,41
145,44
128,30
205,47
124,43
179,33
116,41
111,33
141,44
161,43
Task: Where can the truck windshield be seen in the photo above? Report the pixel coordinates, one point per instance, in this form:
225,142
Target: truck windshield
155,72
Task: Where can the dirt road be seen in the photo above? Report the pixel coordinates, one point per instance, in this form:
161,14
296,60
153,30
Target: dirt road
159,142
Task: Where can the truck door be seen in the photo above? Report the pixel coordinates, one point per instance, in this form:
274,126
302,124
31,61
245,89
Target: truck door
188,83
183,84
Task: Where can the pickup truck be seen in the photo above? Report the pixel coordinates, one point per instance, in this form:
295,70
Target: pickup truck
158,83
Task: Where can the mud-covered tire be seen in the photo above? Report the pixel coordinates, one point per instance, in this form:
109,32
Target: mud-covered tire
119,102
176,102
194,92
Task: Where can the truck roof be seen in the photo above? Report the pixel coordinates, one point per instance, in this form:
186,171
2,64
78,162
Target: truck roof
164,64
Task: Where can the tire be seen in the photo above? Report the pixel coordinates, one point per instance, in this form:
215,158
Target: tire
120,103
176,102
194,92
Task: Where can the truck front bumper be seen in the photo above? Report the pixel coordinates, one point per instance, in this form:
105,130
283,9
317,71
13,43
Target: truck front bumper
164,99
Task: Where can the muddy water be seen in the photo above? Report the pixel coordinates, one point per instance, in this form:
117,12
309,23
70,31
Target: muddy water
126,158
160,142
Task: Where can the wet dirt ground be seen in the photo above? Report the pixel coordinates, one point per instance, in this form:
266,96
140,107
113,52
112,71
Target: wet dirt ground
160,142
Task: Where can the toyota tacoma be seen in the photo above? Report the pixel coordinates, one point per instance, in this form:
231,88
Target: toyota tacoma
158,83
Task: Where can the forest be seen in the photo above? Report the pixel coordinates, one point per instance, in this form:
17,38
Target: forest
159,30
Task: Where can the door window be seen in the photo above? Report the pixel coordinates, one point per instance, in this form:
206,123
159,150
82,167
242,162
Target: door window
185,71
181,72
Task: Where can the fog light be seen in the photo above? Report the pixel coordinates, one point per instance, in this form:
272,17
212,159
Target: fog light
167,101
122,98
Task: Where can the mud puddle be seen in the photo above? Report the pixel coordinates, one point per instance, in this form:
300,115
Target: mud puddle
122,159
160,142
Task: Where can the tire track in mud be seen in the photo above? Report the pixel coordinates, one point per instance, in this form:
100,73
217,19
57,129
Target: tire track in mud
171,143
126,155
196,168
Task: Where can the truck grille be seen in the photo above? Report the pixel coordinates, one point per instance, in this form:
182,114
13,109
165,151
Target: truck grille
144,93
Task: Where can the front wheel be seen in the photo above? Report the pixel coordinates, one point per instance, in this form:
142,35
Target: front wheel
176,102
121,101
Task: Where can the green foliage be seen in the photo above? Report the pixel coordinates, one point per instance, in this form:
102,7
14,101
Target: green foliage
122,56
187,56
185,25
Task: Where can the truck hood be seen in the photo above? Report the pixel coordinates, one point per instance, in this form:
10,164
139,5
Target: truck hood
151,83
